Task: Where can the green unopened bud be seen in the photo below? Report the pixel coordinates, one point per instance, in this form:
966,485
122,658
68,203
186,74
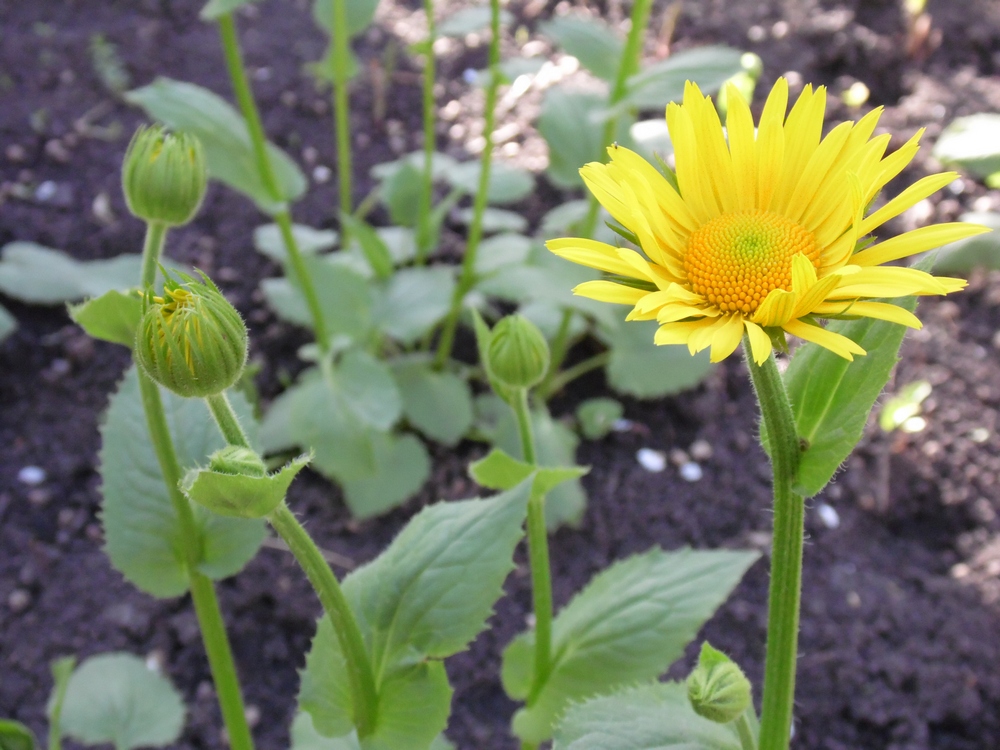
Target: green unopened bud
236,483
164,176
191,340
717,688
518,353
236,460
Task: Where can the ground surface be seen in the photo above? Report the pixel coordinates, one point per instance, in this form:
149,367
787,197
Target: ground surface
900,645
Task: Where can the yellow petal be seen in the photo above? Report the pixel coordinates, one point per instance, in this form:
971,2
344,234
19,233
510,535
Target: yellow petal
776,309
815,295
839,345
891,281
760,342
909,197
673,312
672,205
739,126
594,254
917,241
694,187
678,333
803,274
726,338
771,143
823,160
609,291
877,310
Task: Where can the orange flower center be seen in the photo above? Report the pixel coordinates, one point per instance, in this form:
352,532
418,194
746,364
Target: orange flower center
737,259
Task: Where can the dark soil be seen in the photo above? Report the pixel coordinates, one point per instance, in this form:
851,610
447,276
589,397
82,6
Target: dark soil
900,625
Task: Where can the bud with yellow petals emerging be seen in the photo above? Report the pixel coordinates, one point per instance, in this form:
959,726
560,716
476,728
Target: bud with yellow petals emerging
191,340
164,176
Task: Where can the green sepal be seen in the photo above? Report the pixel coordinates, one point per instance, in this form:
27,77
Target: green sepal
16,736
241,495
483,338
622,232
501,471
114,317
717,688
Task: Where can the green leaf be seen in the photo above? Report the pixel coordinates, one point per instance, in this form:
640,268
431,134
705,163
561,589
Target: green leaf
469,20
224,135
659,83
369,389
115,698
305,737
640,368
500,471
215,9
502,250
62,670
360,14
374,248
645,717
589,40
507,184
111,317
574,138
981,251
414,704
904,405
413,301
16,736
972,143
239,495
142,533
832,398
597,416
549,318
43,276
401,192
268,241
439,404
495,220
441,165
7,323
401,466
628,625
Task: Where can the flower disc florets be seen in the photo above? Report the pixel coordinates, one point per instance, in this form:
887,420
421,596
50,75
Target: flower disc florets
190,339
164,177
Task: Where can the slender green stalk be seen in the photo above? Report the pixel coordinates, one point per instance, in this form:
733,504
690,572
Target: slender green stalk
226,419
567,376
213,633
560,346
786,556
628,66
745,733
61,671
340,65
426,188
248,107
335,604
467,276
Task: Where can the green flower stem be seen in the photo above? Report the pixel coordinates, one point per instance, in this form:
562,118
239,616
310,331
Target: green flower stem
213,633
340,69
560,346
628,65
229,423
426,188
467,276
538,556
567,376
335,604
244,96
742,725
786,556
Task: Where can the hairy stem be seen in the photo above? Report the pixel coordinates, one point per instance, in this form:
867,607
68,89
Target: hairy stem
213,633
226,419
426,187
786,556
340,64
745,733
467,276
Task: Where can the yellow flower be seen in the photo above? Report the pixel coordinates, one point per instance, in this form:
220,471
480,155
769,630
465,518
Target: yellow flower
763,233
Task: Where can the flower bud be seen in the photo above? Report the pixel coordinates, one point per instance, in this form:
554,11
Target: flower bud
236,483
518,353
717,688
236,460
164,176
191,340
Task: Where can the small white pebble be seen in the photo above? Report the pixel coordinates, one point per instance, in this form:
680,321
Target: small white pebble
756,34
979,435
700,450
828,515
650,460
322,174
31,475
18,600
46,191
691,472
914,424
678,457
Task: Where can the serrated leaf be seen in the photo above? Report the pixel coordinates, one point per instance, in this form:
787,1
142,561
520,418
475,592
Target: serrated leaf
115,698
972,143
590,41
16,736
500,471
645,717
239,495
640,368
401,466
981,251
598,416
412,301
111,317
628,625
439,404
226,140
7,323
268,241
468,20
142,533
43,276
507,184
659,83
360,14
214,9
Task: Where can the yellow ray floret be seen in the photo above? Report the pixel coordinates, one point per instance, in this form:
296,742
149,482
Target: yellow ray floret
761,234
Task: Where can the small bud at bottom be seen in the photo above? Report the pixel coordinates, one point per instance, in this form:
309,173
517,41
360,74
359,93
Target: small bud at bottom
717,688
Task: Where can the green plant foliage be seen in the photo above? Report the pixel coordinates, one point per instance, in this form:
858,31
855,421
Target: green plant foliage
981,251
412,301
502,250
628,625
662,82
423,599
111,317
43,276
401,466
469,20
500,471
240,495
597,416
638,368
360,14
7,323
644,717
305,737
223,132
16,736
373,247
214,9
401,194
439,404
108,64
267,240
972,143
507,184
115,698
589,40
141,530
495,220
904,405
